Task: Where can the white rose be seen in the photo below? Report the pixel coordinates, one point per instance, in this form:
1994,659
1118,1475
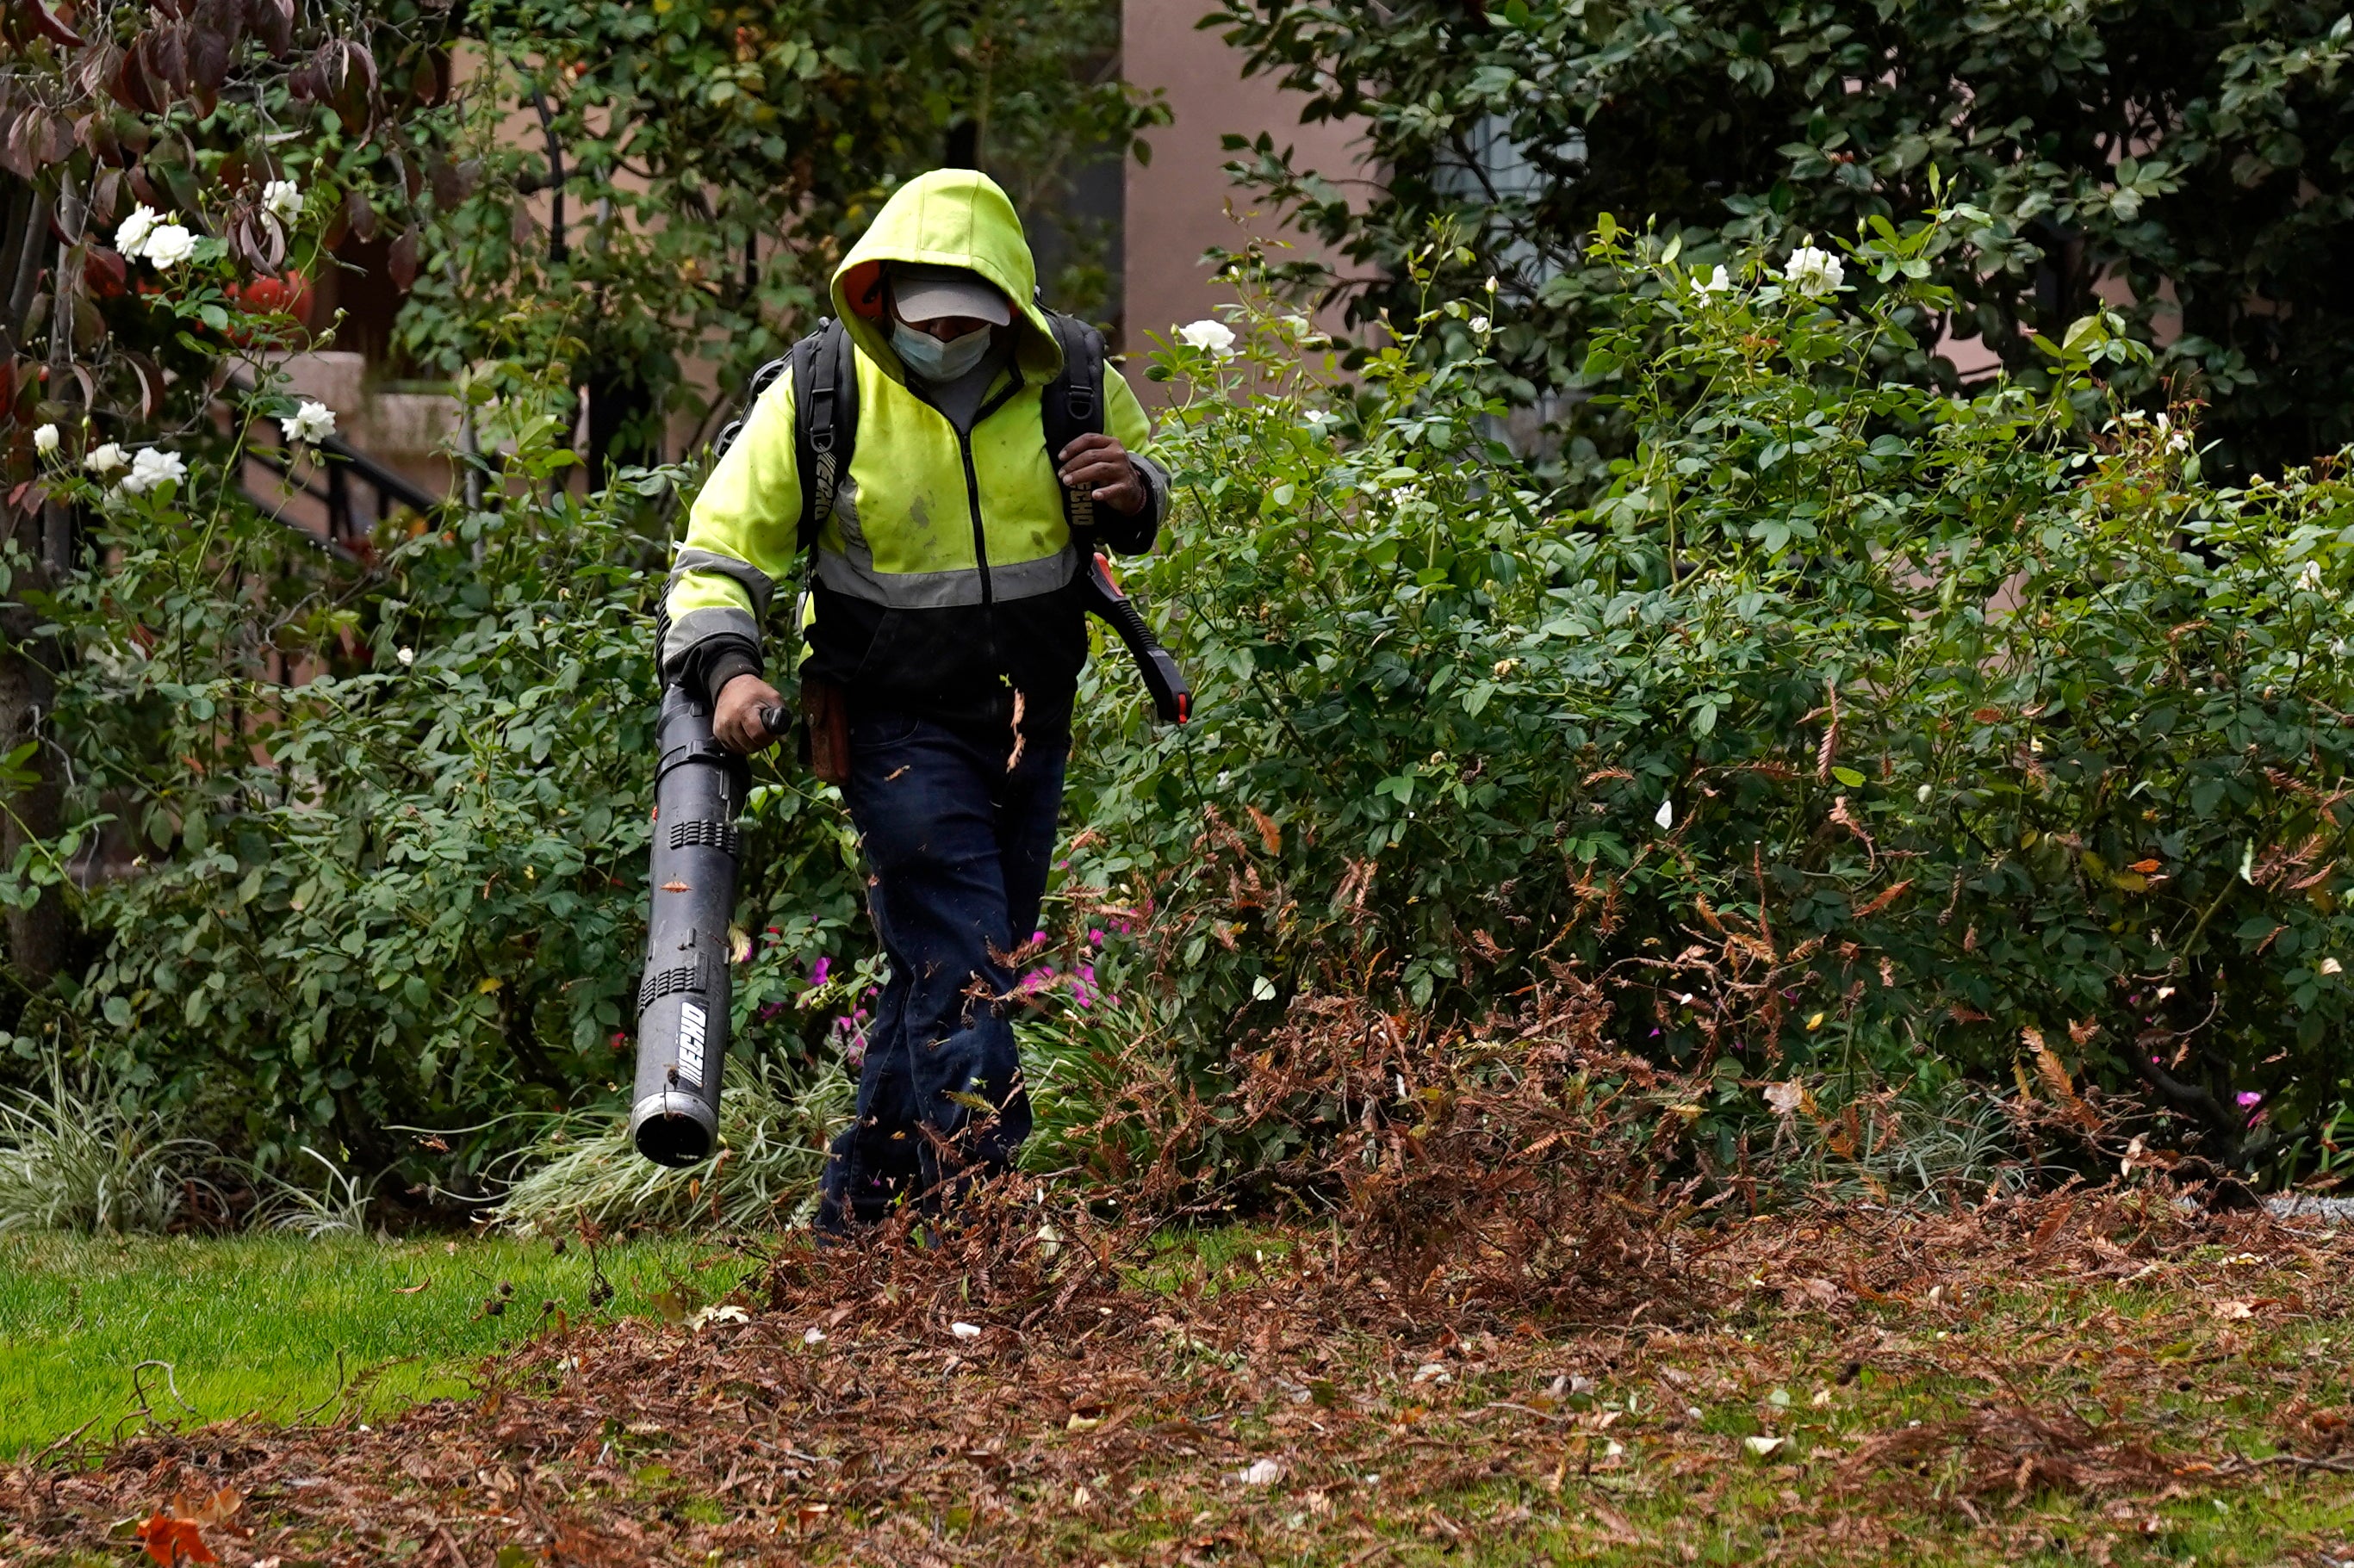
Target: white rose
108,459
406,656
1479,325
1216,336
45,440
131,236
169,245
1717,283
153,466
282,200
1813,272
310,422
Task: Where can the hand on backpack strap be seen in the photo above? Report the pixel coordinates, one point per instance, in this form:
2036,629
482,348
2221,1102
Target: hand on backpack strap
1100,463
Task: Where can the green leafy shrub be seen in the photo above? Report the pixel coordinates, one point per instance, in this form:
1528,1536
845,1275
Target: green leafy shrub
1851,725
2188,160
720,166
390,826
1852,722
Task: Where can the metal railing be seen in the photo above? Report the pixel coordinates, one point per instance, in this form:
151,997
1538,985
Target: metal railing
345,470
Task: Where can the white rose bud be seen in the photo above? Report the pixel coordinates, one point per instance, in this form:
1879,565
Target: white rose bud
168,245
1813,272
108,459
152,466
130,236
45,440
312,422
1214,335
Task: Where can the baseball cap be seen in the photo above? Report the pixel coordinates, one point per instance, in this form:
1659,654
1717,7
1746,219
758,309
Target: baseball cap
924,293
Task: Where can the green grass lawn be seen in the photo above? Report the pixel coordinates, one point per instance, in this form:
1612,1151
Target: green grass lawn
280,1325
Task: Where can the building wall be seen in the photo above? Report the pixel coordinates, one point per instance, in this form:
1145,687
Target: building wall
1177,204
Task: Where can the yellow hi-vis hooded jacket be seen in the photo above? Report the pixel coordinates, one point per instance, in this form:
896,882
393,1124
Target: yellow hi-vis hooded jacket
945,574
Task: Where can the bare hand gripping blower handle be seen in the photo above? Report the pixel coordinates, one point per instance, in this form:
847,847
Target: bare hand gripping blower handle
699,785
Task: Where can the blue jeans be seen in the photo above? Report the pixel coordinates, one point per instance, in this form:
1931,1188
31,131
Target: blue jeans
958,847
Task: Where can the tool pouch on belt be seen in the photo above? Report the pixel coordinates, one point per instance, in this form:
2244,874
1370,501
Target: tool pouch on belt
825,730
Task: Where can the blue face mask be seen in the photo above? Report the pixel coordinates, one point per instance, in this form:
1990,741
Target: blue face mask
926,358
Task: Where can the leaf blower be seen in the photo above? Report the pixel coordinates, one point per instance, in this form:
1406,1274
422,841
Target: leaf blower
699,787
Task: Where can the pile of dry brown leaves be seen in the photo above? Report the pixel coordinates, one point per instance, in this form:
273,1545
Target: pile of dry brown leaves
1512,1331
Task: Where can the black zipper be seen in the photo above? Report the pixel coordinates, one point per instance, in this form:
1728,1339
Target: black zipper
972,504
973,478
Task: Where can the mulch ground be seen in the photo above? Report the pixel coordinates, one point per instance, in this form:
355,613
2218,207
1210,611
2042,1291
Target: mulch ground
2082,1377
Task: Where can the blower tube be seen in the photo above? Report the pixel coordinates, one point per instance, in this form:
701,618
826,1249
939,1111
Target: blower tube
699,785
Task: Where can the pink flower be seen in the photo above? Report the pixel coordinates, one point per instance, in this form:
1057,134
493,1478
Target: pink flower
2250,1097
818,972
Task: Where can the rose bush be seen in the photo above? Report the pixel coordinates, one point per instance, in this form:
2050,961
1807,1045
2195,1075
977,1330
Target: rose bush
1850,723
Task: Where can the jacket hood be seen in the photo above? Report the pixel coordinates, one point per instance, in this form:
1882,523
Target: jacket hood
950,218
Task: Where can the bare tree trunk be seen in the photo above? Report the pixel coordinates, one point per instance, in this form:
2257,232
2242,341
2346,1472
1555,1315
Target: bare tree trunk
36,937
34,812
20,260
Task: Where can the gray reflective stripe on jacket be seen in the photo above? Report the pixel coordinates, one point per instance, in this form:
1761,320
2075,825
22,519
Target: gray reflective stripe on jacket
757,583
849,574
852,570
700,625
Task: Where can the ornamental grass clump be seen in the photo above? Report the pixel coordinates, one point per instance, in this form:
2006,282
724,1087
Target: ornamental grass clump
773,1128
87,1155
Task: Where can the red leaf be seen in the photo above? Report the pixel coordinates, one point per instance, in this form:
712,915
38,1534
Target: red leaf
175,1541
97,67
151,383
57,139
16,148
47,24
272,22
103,273
402,263
169,57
